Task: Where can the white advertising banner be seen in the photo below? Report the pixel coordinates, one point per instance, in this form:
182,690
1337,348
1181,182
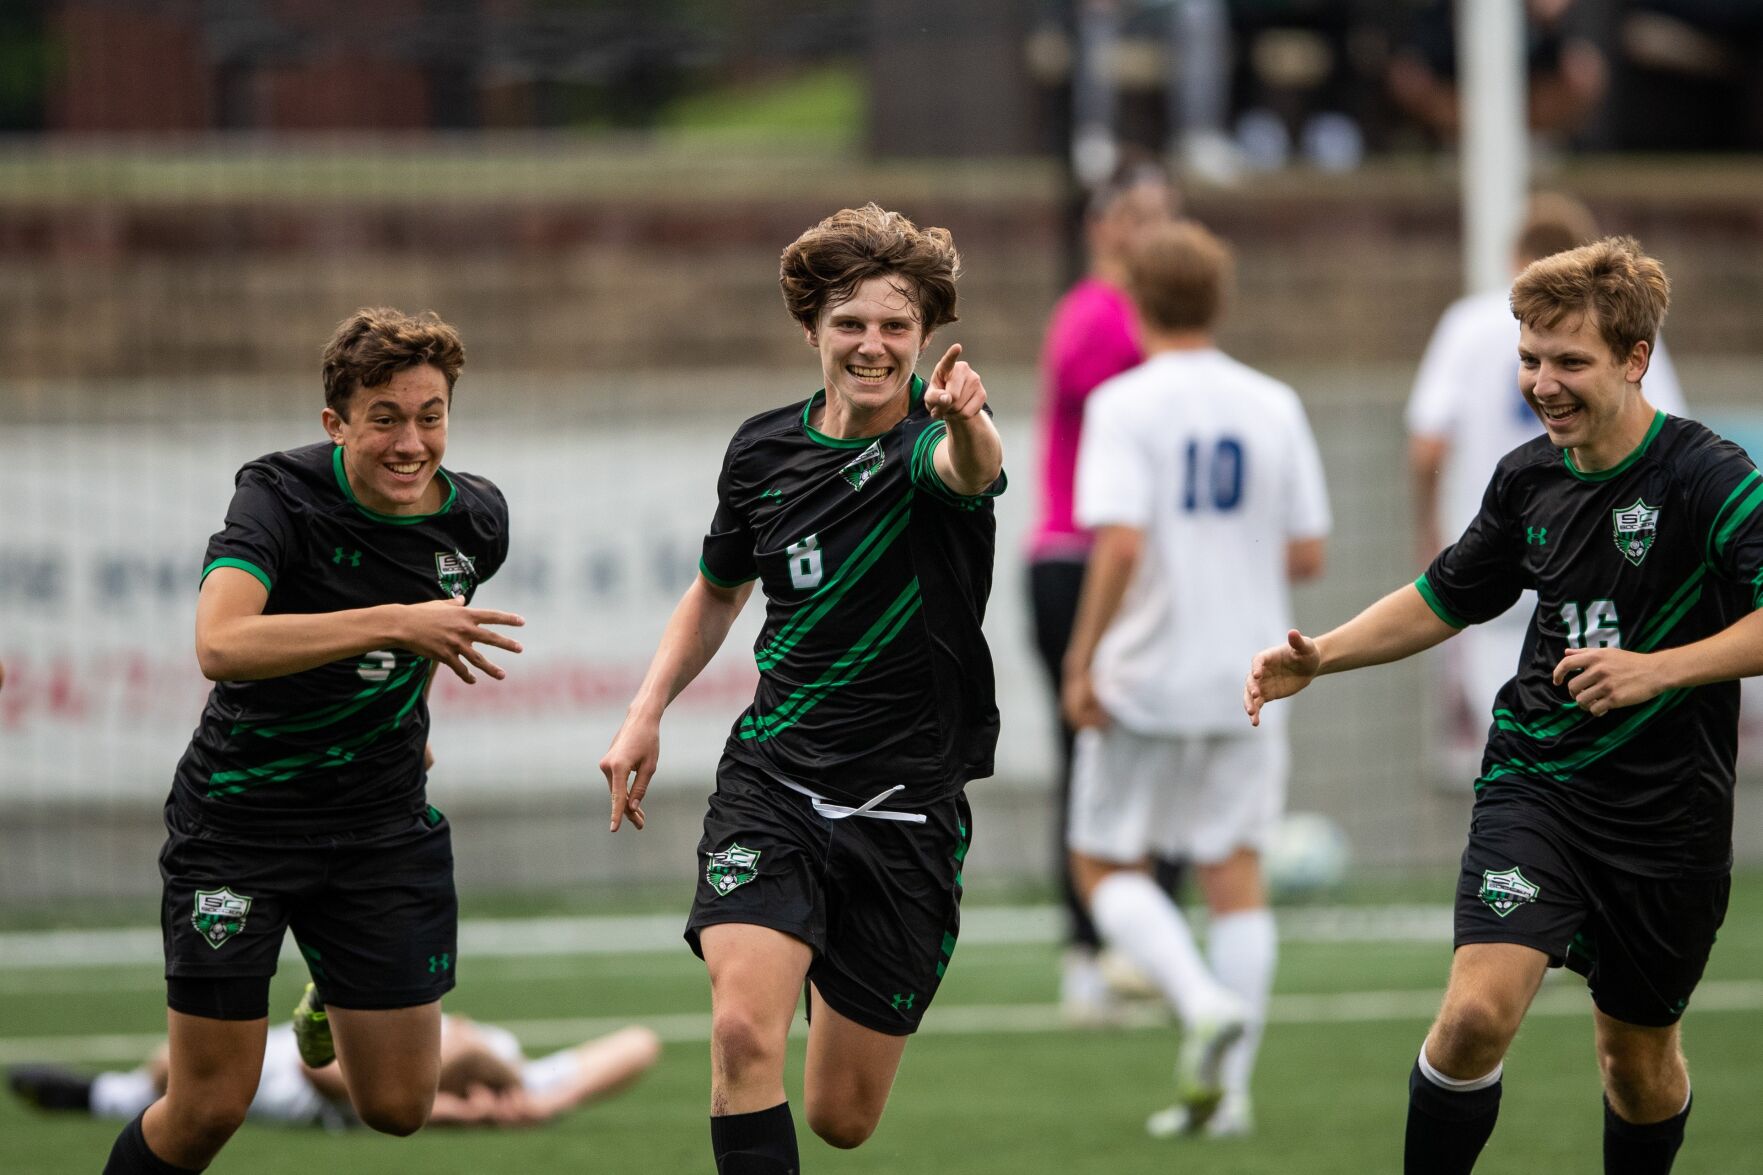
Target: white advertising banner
102,542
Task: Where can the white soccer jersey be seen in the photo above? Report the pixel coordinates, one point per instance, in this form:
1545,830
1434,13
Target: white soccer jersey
1467,393
1216,464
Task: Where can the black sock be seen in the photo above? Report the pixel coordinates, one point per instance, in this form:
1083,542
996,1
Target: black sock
131,1156
1446,1128
1641,1150
760,1143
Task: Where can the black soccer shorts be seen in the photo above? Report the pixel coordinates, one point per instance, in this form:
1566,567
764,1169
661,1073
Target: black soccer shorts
879,901
375,915
1641,943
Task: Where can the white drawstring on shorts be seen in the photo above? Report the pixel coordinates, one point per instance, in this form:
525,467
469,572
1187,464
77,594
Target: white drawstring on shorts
832,811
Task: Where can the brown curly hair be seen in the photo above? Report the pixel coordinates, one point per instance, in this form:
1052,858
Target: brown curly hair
377,342
825,265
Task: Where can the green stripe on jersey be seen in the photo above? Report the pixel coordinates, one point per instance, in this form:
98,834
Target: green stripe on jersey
1560,770
1721,532
325,716
1438,609
228,783
841,673
830,593
242,565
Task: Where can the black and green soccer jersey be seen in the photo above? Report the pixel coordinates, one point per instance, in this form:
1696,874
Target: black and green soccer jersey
339,746
872,667
1664,549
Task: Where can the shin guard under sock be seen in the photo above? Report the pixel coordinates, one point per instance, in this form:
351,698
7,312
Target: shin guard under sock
1446,1127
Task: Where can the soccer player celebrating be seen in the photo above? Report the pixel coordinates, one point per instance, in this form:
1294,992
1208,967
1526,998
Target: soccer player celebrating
341,580
834,840
1201,482
1602,833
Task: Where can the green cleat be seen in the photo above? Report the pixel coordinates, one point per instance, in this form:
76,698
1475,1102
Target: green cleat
312,1030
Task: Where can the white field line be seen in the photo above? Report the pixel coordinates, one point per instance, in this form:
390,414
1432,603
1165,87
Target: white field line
488,938
1355,1007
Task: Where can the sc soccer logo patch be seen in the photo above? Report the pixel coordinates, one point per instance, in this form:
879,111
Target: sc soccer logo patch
455,571
1634,528
732,868
1507,890
219,915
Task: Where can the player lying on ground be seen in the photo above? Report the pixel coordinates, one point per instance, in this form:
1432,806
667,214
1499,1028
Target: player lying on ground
485,1080
341,581
834,840
1602,834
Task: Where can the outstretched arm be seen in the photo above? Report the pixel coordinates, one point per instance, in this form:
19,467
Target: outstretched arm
1602,680
1113,559
971,456
699,625
1397,626
235,641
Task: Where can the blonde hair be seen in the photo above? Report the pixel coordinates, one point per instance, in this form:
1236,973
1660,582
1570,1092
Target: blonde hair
1179,276
1623,290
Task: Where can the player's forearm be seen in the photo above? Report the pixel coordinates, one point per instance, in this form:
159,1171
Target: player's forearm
1733,653
1397,626
252,648
975,452
1113,559
694,633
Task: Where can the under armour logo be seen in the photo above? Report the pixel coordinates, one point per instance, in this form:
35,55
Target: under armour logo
440,963
904,1000
354,557
1536,536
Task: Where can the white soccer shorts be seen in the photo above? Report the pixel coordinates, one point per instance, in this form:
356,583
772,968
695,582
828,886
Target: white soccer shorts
1197,797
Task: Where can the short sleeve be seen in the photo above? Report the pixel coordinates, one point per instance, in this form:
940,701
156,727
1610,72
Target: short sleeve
1116,480
1307,514
1728,493
258,536
924,474
1436,401
728,559
1662,388
499,520
1480,575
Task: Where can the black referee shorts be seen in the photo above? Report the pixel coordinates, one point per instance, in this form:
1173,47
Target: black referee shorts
879,901
375,916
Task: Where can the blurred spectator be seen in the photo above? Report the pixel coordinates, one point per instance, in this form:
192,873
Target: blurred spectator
1691,75
1568,74
1091,336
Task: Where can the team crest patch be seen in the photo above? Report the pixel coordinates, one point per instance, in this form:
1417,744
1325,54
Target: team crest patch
732,868
455,571
219,915
1507,890
1634,528
859,469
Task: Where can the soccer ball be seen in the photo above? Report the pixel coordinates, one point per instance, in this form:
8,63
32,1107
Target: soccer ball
1307,856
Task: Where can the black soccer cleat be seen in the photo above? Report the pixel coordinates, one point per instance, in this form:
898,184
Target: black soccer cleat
49,1087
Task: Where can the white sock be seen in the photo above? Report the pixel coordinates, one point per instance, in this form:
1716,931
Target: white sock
1456,1084
1243,948
1141,922
122,1095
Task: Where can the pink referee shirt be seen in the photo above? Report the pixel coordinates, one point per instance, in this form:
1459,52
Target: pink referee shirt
1092,336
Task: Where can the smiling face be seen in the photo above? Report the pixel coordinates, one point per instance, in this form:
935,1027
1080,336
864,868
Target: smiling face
1588,398
868,346
393,437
